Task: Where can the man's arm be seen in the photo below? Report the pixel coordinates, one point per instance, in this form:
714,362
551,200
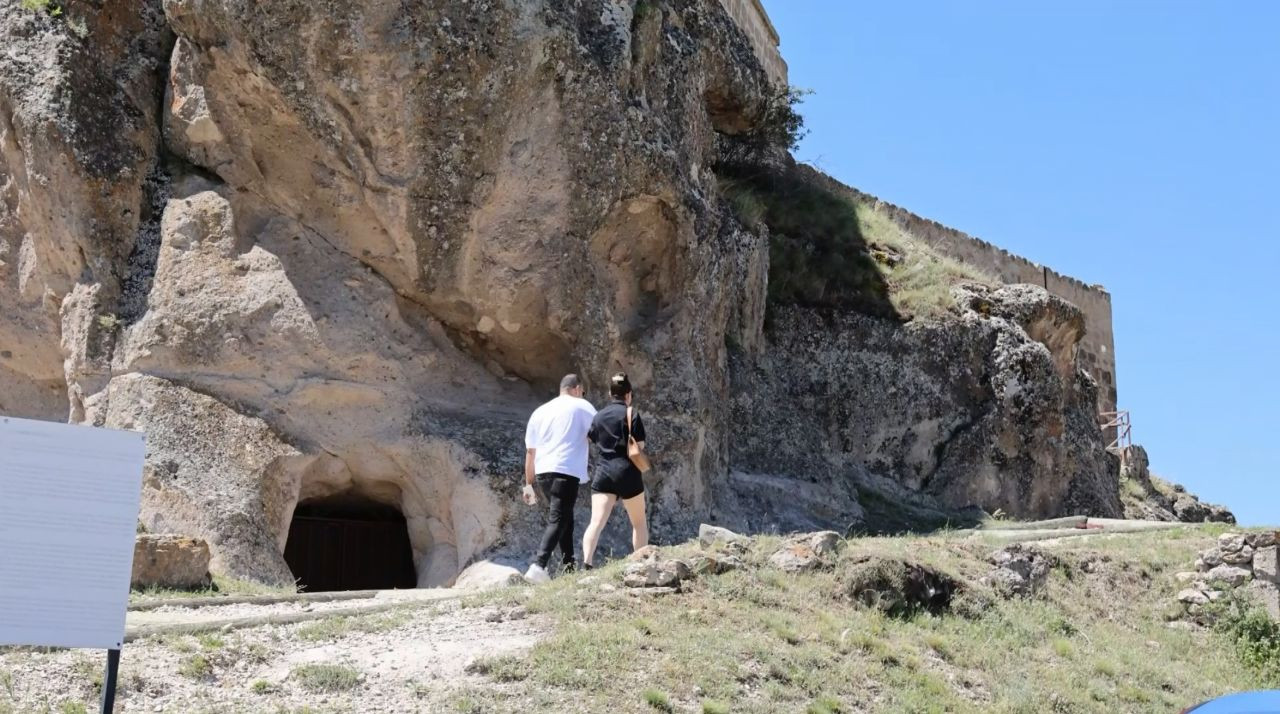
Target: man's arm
528,466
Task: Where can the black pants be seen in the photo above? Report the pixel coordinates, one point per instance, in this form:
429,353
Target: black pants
562,493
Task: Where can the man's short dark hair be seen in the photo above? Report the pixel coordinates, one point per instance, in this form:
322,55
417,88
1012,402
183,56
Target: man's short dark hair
570,381
619,385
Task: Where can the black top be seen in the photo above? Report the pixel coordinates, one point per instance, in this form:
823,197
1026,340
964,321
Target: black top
609,432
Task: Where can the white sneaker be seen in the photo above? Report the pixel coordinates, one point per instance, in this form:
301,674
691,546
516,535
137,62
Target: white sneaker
537,574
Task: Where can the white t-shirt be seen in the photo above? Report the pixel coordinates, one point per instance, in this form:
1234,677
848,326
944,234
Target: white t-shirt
558,432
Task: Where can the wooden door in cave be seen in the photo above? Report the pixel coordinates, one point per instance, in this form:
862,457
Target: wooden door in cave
349,544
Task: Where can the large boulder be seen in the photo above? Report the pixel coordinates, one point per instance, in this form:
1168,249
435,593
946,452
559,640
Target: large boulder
170,561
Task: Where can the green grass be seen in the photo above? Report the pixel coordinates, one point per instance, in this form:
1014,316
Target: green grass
326,677
657,700
72,707
210,641
337,627
195,666
221,586
501,669
755,640
262,686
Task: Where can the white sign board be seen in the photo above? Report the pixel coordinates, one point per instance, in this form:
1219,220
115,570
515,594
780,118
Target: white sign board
68,514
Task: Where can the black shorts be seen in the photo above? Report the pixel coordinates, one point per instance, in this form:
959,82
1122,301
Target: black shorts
625,483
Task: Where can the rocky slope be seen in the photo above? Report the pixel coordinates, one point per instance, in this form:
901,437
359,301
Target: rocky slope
344,248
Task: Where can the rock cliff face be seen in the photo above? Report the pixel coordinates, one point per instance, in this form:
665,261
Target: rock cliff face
326,248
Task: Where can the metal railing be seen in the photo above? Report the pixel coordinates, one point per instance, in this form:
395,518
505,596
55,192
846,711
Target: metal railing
1123,434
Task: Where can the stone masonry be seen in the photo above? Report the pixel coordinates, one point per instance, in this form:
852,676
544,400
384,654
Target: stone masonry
1238,561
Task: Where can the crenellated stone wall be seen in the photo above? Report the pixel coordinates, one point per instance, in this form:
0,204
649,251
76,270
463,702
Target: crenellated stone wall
1097,348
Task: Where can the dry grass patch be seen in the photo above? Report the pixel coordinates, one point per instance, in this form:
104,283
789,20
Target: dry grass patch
326,678
759,641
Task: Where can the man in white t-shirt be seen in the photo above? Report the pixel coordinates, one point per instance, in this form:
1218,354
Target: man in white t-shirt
556,446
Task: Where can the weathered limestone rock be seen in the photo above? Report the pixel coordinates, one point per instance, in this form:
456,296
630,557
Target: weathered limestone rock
1019,570
320,250
958,403
649,569
485,575
709,535
1148,497
714,564
210,473
1209,559
1193,597
170,561
1230,574
1265,566
1267,594
806,552
1244,556
1230,543
1190,509
1266,539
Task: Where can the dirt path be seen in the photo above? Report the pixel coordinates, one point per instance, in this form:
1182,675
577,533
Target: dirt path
178,616
404,652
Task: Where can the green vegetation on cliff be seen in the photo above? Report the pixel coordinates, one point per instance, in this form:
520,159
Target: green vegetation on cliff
828,251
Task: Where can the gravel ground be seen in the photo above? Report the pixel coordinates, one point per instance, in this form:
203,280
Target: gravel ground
411,659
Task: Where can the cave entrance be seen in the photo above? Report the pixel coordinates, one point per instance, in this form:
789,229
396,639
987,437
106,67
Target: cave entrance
349,542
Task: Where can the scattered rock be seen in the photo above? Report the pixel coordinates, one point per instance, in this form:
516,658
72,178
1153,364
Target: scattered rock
1234,576
486,574
1187,577
651,570
170,561
805,552
648,552
897,587
1019,570
1193,597
709,535
649,591
714,564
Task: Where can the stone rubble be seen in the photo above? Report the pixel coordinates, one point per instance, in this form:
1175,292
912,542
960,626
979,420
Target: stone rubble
1019,570
1247,561
806,552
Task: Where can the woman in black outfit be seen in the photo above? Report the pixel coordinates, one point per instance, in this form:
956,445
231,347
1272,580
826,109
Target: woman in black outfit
616,477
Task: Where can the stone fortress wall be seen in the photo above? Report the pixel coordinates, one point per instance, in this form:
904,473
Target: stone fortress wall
754,23
1097,348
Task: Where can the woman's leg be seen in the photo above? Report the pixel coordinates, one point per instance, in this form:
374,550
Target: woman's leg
639,523
601,506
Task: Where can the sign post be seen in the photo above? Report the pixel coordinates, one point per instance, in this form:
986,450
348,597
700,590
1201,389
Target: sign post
69,498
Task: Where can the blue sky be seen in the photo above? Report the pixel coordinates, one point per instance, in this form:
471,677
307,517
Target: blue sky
1134,144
